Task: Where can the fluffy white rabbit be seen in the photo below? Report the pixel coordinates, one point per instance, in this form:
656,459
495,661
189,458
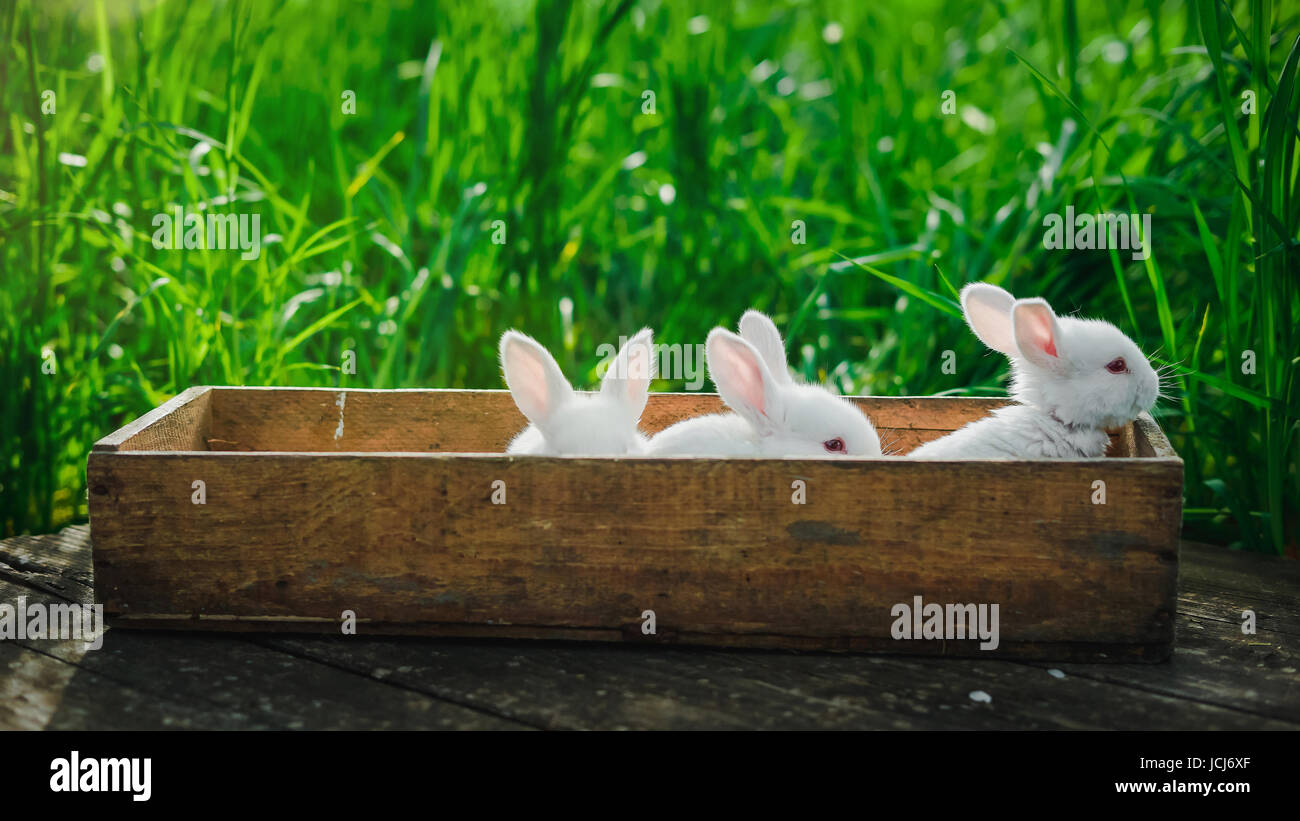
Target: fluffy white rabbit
1071,378
564,422
773,414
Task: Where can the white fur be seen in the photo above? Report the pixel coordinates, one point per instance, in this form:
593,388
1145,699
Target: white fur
773,414
567,423
1066,396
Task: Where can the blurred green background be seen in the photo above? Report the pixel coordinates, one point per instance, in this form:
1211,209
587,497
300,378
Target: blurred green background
652,163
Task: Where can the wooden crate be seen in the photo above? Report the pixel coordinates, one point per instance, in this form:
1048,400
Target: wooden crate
381,503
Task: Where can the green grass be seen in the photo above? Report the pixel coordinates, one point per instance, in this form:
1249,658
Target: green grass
532,114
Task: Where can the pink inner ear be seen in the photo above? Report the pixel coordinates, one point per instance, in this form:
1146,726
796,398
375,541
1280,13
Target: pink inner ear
748,378
991,324
1038,324
531,388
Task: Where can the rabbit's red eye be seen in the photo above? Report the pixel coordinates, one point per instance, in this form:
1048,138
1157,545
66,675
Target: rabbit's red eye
1117,365
835,445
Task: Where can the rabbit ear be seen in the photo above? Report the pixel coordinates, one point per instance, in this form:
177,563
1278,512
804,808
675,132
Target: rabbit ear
1037,333
627,382
535,381
743,379
757,329
988,313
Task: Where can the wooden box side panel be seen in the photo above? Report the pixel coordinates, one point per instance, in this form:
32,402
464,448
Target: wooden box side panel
1149,440
456,421
451,421
717,549
183,423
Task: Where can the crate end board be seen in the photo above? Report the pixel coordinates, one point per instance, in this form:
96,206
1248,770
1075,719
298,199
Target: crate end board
721,549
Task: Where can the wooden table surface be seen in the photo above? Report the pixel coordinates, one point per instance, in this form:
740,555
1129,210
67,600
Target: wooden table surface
1218,678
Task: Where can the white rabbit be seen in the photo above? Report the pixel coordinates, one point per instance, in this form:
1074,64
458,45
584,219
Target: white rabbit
774,415
567,423
1071,379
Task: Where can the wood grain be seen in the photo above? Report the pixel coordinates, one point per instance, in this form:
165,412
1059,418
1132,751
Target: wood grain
182,423
1217,678
146,680
411,542
463,421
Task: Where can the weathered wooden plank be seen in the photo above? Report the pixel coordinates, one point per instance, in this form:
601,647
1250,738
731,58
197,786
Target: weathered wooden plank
1213,660
57,563
1233,681
181,423
721,554
1214,663
312,419
1270,581
1038,701
485,421
278,689
1150,440
1211,601
1233,581
575,686
200,674
40,692
197,676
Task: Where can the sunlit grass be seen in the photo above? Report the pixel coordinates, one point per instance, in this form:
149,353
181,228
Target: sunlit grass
378,226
